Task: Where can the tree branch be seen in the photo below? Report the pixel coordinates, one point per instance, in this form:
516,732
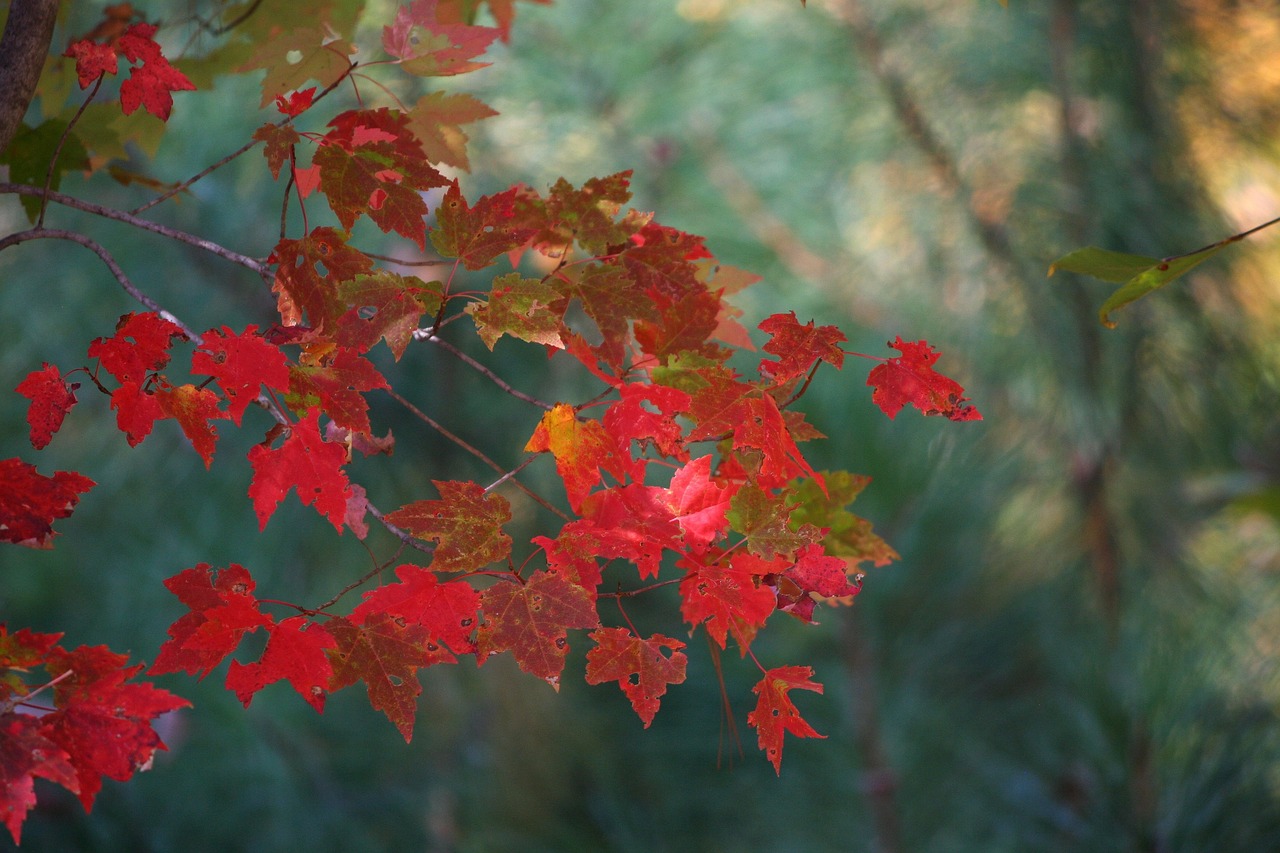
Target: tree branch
145,224
97,249
24,45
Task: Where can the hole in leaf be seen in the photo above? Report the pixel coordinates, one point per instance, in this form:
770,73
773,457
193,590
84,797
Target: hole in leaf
293,57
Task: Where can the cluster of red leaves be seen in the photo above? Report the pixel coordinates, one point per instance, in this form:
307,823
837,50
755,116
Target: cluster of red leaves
86,720
689,475
152,80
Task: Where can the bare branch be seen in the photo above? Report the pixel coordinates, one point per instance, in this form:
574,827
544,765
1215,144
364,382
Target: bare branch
145,224
426,335
97,249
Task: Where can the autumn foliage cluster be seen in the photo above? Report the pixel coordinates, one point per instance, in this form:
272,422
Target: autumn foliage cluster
685,469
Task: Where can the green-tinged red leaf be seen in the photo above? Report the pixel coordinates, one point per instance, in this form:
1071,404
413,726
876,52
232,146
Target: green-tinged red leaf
765,520
799,347
296,652
371,164
385,653
385,305
662,260
531,620
279,142
337,387
847,535
30,502
448,611
223,609
428,46
585,215
642,668
776,714
305,462
582,450
51,398
309,272
520,307
465,523
477,235
910,378
242,363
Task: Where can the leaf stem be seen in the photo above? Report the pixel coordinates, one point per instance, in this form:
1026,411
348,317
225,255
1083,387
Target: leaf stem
57,151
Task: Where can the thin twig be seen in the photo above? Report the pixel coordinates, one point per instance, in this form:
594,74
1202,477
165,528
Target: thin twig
145,224
431,422
171,192
426,335
57,151
97,249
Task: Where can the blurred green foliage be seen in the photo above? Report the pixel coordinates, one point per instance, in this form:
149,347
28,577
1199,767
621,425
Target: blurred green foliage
1076,650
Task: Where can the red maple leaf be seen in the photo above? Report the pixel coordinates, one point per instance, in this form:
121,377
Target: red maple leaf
306,462
295,652
466,523
242,363
297,103
139,346
910,378
25,753
449,611
223,610
385,652
30,502
51,398
532,619
371,164
477,235
633,522
699,505
632,418
727,594
661,259
723,405
337,387
640,667
136,411
581,449
384,305
585,215
150,83
308,275
776,714
193,408
798,347
278,145
103,720
683,325
92,60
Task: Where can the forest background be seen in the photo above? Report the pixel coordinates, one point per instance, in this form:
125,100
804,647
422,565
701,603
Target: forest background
1076,650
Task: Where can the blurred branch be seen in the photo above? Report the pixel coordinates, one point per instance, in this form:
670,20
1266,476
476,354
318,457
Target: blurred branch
993,235
24,46
879,781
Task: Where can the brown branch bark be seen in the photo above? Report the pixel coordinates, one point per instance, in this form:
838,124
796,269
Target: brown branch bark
23,47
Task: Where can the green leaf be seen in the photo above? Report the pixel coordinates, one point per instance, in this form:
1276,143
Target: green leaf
1104,264
29,153
1140,274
